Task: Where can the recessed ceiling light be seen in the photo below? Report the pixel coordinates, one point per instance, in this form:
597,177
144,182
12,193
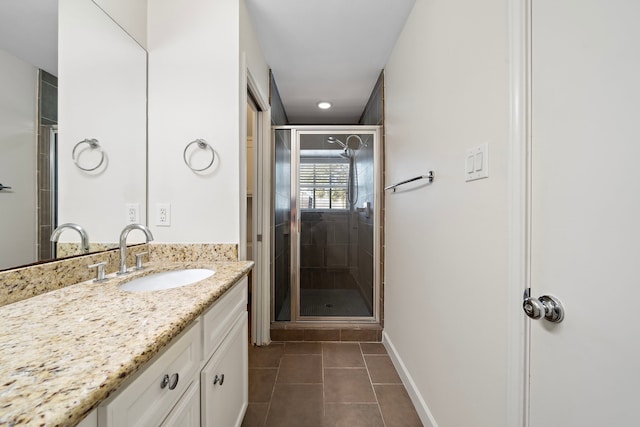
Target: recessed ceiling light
324,105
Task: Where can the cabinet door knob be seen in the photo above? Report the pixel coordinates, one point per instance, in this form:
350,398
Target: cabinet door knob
218,379
165,381
174,381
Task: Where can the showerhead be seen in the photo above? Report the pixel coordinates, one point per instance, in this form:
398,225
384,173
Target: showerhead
334,140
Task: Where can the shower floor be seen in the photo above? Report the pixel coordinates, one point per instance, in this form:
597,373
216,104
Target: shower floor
328,303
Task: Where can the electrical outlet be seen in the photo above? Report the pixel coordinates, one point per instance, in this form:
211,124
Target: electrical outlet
163,214
132,213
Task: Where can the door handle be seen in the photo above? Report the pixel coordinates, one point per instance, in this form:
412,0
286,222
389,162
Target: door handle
548,306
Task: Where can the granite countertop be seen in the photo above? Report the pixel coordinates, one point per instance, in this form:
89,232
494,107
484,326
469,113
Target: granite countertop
63,352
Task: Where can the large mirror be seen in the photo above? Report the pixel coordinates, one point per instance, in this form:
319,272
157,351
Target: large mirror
72,128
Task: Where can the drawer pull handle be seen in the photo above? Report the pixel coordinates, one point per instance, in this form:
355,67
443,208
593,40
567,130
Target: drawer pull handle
218,379
174,381
165,381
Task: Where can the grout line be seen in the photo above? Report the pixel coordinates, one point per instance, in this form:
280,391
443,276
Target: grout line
273,390
373,388
324,398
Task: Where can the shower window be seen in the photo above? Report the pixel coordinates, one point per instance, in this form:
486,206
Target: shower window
323,185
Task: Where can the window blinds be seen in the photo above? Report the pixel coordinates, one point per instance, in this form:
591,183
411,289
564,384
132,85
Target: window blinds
323,185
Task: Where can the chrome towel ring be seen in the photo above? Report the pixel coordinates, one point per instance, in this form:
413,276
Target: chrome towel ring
93,144
204,145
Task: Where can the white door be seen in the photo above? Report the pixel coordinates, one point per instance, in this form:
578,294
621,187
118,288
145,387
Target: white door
585,238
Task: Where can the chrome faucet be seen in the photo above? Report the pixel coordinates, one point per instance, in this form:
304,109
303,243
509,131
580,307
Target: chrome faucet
84,237
123,243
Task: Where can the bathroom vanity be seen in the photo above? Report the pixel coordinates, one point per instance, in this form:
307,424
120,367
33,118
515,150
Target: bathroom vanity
92,354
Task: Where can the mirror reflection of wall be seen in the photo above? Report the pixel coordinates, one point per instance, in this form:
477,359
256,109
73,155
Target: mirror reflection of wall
102,95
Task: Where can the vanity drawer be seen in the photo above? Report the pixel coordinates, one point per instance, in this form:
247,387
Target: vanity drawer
217,321
147,399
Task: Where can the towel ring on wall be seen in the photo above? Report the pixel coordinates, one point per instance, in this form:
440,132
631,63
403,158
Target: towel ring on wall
93,145
204,145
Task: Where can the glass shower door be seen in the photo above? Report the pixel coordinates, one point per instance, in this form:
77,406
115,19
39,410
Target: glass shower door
335,198
325,192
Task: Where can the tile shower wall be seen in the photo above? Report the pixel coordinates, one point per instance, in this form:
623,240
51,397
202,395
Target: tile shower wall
362,233
48,118
373,115
282,221
324,247
278,113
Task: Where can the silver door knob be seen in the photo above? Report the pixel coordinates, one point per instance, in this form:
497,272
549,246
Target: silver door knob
533,308
547,306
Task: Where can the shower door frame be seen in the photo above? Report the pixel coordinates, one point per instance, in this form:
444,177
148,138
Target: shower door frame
295,228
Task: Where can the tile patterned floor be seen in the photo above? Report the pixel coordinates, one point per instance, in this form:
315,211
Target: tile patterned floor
326,384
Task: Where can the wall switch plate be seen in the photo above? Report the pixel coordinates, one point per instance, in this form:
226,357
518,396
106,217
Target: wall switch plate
132,212
476,164
163,214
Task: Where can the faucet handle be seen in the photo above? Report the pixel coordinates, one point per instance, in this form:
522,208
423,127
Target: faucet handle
100,273
139,260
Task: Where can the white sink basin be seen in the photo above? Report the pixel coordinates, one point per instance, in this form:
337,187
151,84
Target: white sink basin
167,280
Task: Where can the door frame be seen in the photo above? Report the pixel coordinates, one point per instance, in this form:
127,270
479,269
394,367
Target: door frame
295,318
519,211
260,286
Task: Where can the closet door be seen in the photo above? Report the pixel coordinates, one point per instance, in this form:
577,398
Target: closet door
585,212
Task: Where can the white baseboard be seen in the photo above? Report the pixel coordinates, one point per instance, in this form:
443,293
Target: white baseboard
421,406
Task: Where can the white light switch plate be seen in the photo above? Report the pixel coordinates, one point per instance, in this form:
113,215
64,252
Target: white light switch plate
476,164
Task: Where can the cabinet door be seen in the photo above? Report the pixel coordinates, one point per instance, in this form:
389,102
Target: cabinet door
219,319
148,398
224,379
186,413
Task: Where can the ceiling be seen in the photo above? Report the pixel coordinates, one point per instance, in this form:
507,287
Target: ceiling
318,50
327,50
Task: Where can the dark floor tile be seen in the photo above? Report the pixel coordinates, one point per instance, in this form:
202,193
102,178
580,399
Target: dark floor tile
342,355
265,357
256,415
296,405
381,370
261,382
303,348
373,348
300,369
347,385
352,415
396,407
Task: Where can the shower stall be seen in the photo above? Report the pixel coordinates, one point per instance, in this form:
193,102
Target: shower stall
326,224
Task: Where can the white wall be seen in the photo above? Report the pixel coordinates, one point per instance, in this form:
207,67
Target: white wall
250,45
130,14
102,82
18,86
195,91
446,244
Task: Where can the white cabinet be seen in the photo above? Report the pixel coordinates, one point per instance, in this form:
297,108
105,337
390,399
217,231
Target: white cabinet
224,379
218,320
151,395
187,412
173,389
